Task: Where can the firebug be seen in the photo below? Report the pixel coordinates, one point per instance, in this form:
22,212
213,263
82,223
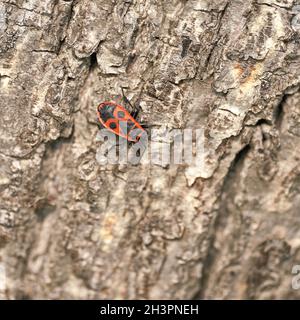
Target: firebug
118,120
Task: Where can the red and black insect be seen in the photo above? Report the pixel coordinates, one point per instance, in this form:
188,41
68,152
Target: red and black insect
118,120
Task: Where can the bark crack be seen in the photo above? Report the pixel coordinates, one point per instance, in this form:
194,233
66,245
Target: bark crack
220,220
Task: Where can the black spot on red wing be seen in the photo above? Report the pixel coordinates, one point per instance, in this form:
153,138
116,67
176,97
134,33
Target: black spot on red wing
112,125
121,114
106,112
130,123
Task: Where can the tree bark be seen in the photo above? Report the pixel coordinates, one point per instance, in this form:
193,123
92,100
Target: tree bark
70,228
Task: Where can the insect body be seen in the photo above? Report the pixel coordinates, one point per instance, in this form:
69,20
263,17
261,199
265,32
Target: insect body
118,120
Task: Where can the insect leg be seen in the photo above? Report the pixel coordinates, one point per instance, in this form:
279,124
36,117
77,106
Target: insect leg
100,125
135,113
146,125
135,109
126,100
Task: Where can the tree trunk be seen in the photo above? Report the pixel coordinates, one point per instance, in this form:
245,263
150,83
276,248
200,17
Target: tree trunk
71,228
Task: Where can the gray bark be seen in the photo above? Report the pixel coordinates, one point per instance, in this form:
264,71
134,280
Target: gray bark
70,228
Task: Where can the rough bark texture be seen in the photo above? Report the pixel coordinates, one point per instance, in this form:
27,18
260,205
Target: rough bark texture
70,228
